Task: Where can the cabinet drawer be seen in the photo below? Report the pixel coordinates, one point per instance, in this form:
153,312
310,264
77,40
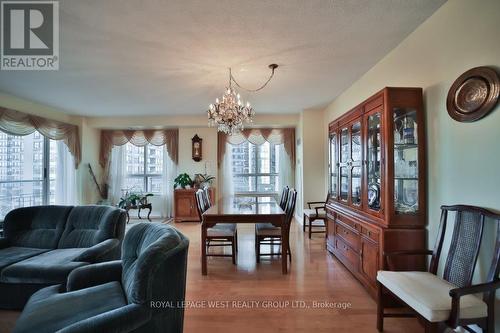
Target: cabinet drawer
370,233
347,252
348,222
347,235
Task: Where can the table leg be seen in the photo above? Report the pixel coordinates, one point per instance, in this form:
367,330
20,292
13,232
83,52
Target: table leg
284,249
203,248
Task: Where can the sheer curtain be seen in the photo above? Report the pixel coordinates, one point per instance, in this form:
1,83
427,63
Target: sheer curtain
65,180
168,176
226,173
116,173
285,177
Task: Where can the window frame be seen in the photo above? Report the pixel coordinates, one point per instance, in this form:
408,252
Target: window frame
256,194
45,179
145,175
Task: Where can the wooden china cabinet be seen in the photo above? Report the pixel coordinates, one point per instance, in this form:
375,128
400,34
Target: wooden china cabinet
377,183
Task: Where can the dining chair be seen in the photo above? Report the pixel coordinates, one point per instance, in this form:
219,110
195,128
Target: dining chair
316,212
268,234
224,234
284,197
450,300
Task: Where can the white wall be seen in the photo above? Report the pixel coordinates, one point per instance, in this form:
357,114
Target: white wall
463,158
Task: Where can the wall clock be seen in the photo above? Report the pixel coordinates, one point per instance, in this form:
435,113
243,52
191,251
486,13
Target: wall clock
474,94
196,148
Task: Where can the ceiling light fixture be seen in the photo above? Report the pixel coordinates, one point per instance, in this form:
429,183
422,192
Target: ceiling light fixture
229,114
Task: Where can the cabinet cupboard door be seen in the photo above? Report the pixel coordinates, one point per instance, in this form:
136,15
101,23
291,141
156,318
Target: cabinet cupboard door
369,264
344,164
184,206
374,195
356,163
333,166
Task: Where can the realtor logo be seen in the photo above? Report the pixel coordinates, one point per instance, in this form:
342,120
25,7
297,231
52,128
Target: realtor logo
29,35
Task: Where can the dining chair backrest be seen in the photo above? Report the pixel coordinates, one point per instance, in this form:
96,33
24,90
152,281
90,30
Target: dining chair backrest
290,207
284,197
465,244
200,203
206,196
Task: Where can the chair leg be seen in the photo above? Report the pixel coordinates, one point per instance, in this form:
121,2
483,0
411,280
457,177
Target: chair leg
233,252
310,227
304,224
380,307
236,240
257,249
289,252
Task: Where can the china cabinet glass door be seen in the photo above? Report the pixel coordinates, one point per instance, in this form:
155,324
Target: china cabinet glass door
333,166
344,164
374,157
355,163
405,161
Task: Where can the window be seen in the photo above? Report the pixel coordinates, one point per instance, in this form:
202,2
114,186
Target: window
24,180
143,168
255,171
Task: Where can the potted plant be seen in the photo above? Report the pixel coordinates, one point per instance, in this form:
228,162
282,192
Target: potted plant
183,181
204,180
132,199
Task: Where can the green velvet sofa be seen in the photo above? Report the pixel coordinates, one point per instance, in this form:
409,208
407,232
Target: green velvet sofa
142,292
41,245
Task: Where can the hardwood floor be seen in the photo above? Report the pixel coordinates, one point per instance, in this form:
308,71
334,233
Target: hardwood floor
315,276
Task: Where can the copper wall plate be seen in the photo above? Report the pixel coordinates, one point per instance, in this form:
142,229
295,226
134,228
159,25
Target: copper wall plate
474,94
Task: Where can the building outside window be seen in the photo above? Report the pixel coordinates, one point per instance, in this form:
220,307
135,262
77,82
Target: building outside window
143,168
27,171
255,171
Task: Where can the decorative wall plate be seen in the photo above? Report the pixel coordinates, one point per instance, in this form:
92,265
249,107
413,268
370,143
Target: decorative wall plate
473,95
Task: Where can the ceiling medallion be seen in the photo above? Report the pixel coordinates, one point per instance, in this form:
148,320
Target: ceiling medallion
229,114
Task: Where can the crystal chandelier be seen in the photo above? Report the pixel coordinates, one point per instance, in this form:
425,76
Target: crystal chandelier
229,114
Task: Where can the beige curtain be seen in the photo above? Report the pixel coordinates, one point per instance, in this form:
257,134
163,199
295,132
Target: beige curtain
258,136
140,138
19,123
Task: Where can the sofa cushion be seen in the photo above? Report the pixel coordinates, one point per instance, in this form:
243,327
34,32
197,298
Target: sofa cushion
36,227
428,294
13,254
49,310
50,267
89,225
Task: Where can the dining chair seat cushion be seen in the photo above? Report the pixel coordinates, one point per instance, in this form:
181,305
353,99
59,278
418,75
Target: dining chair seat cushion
267,229
428,295
312,213
222,230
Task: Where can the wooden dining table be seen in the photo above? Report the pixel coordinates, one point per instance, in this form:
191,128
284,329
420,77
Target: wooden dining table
230,210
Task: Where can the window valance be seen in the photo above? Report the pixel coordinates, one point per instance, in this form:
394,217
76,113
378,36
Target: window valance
18,123
258,136
139,138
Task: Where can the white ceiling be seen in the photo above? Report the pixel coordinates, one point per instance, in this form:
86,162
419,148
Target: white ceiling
171,57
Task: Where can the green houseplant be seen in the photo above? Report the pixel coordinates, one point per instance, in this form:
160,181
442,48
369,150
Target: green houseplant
182,181
133,199
204,180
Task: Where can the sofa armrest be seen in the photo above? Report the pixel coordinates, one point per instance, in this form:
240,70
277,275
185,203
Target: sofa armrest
121,320
93,275
100,250
4,242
